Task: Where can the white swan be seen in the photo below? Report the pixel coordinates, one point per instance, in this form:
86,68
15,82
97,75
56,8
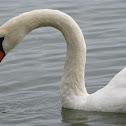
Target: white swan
111,98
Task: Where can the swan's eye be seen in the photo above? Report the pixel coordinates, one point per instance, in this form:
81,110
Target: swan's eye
1,39
2,53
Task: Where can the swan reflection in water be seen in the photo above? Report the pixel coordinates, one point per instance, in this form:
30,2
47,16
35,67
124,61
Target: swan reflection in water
83,118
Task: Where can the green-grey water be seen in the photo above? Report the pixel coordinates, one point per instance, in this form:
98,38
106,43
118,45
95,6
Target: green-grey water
30,75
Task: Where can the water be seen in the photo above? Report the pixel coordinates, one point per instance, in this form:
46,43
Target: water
30,74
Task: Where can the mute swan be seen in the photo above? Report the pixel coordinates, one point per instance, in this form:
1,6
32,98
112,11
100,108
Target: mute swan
111,98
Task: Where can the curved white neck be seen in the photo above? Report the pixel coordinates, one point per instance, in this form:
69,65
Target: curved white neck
73,75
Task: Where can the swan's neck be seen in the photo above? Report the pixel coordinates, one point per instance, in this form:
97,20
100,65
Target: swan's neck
73,76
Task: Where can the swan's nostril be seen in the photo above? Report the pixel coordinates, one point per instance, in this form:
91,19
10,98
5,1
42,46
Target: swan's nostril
2,55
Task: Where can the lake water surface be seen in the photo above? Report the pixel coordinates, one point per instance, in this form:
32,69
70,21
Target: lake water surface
30,75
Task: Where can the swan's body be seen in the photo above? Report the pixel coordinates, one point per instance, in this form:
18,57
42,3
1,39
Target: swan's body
111,98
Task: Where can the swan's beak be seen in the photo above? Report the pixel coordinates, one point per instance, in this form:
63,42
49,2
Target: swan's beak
2,55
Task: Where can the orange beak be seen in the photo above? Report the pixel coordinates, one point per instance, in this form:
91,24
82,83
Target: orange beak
2,54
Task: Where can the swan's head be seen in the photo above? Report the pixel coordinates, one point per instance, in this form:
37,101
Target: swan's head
10,35
8,40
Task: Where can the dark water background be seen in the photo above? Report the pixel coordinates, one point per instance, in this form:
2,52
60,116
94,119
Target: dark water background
30,74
